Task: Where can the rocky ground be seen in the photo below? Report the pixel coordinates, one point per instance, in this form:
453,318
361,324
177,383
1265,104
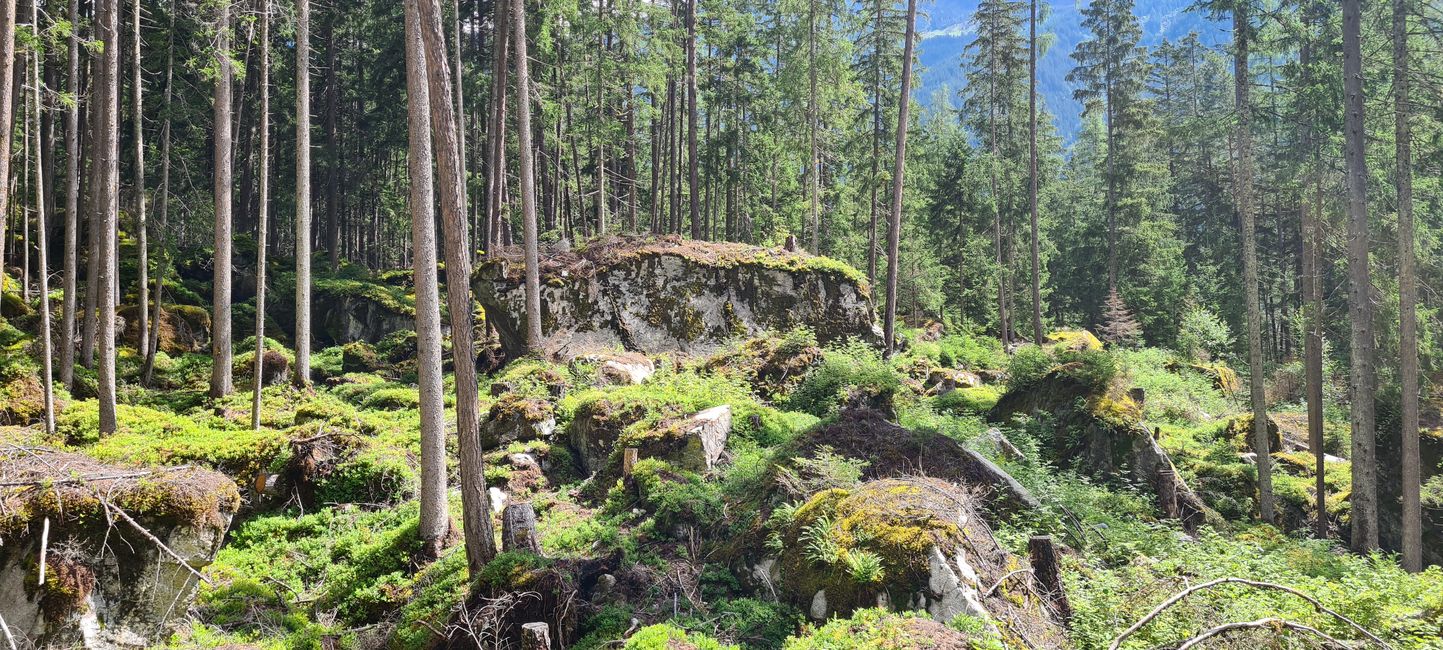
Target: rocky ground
786,487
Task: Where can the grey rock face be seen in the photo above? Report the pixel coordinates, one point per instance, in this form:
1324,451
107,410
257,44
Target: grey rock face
654,296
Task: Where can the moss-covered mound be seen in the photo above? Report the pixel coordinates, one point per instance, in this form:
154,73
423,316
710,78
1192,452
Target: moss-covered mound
1240,431
771,365
73,507
911,544
655,295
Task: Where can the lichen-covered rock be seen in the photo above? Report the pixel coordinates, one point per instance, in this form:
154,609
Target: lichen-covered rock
516,418
183,328
771,365
669,295
889,450
1098,431
105,586
1223,378
1240,431
624,370
913,544
356,310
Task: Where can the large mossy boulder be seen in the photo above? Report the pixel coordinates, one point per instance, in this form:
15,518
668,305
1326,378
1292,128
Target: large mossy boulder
667,295
1096,428
347,309
107,584
888,450
909,544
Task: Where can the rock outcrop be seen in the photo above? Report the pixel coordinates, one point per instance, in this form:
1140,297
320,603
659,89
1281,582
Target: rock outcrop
668,295
108,581
912,544
1098,431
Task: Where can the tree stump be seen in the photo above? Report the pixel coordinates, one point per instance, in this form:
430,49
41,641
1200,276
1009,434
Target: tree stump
629,457
1048,574
1167,493
535,636
518,529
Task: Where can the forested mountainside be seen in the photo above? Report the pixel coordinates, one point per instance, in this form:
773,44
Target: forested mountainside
694,325
946,29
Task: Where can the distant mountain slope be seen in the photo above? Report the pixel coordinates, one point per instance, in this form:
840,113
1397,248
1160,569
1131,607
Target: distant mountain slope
946,31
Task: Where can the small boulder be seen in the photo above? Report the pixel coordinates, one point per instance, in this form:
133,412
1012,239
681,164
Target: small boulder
1239,430
515,418
941,380
706,437
624,370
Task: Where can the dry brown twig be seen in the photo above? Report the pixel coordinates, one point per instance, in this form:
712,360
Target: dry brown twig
1275,624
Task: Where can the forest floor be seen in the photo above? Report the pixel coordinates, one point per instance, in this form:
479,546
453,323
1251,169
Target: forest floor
328,560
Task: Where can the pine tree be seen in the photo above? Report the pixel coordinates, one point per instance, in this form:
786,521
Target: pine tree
1118,326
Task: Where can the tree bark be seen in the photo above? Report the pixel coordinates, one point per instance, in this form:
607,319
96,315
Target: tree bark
518,525
220,374
1407,299
7,112
480,545
72,203
163,200
527,177
107,204
894,231
1243,178
434,519
693,179
1362,377
1312,216
262,209
302,373
1047,572
535,636
46,348
1037,335
141,227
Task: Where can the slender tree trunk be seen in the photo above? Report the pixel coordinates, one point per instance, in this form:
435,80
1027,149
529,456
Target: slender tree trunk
333,145
72,203
42,261
7,112
496,134
894,230
163,200
141,228
1243,177
1362,378
220,375
528,184
434,518
480,545
263,203
302,375
1313,297
1037,335
461,117
107,203
874,181
1407,298
814,164
693,179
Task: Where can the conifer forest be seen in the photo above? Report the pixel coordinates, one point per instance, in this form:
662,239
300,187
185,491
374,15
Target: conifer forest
721,324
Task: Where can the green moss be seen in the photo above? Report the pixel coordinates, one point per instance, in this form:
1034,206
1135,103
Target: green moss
864,629
393,399
974,399
150,437
844,367
393,298
674,496
667,637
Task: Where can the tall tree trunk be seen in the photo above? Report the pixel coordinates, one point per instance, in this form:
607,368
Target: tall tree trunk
163,200
693,179
302,375
1243,177
814,163
1362,377
1037,335
72,203
873,181
43,263
527,180
1312,216
476,517
220,374
107,203
461,117
141,229
1407,298
333,145
434,518
7,112
496,133
263,203
894,230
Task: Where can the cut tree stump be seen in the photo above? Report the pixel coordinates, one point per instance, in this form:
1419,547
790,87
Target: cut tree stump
1167,493
535,636
518,528
1048,574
